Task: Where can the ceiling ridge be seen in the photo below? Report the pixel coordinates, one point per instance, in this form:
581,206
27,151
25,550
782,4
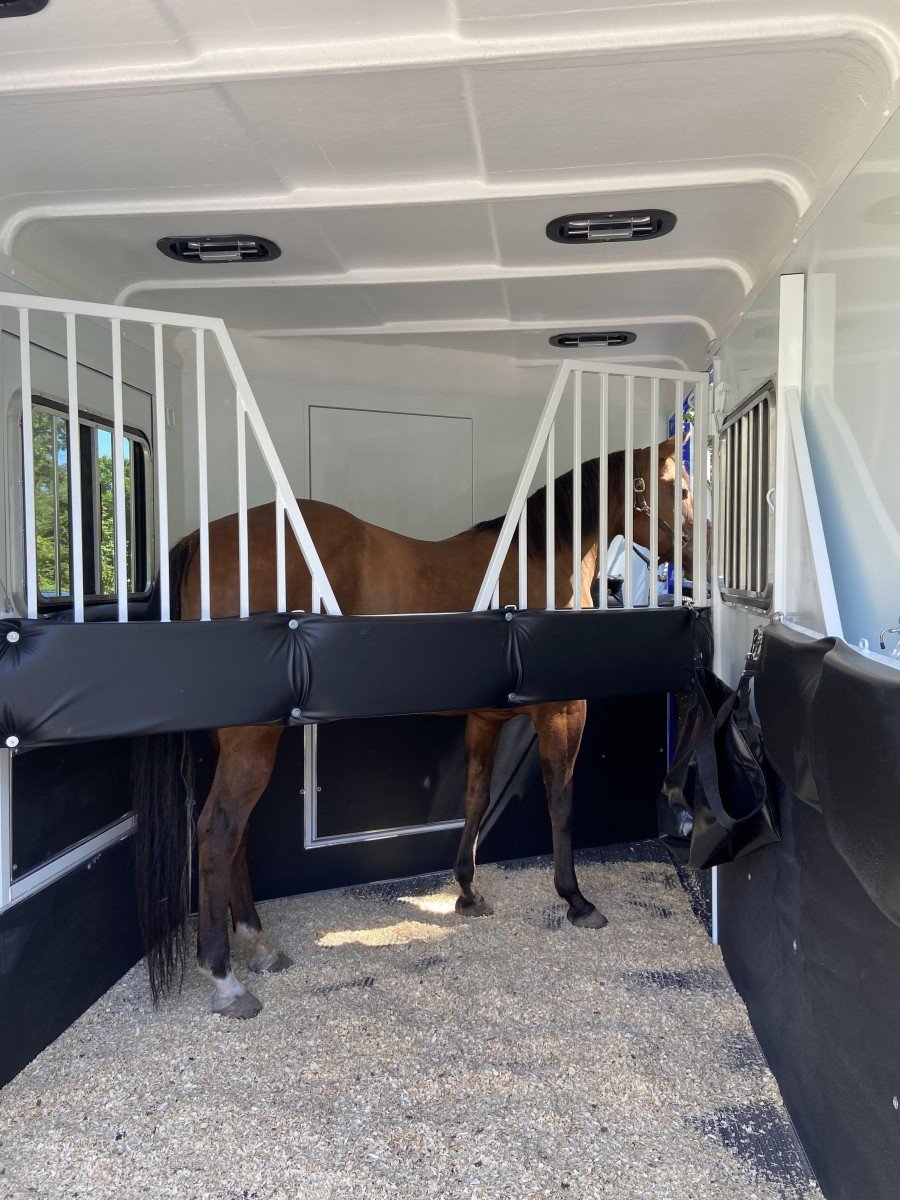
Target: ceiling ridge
467,273
480,325
450,50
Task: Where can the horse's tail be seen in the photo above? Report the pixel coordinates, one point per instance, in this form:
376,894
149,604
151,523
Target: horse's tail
163,803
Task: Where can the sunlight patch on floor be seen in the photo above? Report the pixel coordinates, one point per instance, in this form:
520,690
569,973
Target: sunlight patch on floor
400,934
441,904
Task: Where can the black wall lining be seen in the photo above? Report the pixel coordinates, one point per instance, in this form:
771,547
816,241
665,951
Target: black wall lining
830,720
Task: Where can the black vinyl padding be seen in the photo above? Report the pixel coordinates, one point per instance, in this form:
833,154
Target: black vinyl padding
830,719
64,682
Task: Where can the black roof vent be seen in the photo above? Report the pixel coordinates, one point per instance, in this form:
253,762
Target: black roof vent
219,248
21,8
633,225
571,341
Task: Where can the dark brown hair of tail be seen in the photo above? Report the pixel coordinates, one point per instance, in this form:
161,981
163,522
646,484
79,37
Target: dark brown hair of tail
163,802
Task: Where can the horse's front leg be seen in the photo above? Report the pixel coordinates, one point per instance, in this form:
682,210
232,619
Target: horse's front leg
482,736
246,757
559,728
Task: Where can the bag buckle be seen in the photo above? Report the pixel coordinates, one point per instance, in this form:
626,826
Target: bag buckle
756,645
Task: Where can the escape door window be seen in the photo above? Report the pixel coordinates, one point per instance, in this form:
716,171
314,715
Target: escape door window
52,504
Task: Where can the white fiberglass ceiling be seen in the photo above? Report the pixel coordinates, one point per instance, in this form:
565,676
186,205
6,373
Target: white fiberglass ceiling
406,155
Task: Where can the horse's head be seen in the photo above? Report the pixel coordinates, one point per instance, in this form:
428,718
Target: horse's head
674,487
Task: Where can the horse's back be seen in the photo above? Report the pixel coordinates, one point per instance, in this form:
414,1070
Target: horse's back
371,569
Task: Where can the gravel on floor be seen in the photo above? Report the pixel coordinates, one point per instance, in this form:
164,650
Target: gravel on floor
411,1053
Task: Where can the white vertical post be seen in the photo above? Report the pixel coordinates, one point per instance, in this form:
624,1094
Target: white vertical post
790,375
162,475
316,605
243,548
119,525
76,579
550,544
495,595
628,498
603,506
202,480
676,490
576,494
523,557
701,490
31,585
654,494
280,567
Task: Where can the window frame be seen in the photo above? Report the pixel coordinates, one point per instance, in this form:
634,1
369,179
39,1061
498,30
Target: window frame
141,523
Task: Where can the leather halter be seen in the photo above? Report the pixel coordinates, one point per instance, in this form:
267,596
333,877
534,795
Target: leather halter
641,506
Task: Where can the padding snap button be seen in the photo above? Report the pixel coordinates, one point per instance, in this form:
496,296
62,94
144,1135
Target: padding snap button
296,712
12,741
293,623
12,636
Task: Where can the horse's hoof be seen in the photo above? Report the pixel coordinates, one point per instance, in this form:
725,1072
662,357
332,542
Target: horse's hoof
587,918
269,963
473,908
241,1008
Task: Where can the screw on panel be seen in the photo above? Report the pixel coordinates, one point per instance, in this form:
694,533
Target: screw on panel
896,1102
293,623
12,741
12,636
794,944
296,712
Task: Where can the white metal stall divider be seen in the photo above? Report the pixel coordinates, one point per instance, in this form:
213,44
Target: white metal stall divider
247,413
543,445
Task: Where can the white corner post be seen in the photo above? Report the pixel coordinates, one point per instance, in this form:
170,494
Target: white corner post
790,379
792,449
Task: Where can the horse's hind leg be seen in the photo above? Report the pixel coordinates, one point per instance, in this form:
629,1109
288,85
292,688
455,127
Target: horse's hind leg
265,959
246,757
559,728
482,736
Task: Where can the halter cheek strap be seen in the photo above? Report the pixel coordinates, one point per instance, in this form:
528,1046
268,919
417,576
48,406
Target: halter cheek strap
641,506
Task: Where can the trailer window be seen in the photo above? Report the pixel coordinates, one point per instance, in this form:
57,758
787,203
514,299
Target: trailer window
52,502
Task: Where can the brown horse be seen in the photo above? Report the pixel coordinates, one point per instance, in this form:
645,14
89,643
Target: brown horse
374,570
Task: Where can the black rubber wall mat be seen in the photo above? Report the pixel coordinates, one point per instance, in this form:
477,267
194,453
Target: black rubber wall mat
818,966
830,719
62,682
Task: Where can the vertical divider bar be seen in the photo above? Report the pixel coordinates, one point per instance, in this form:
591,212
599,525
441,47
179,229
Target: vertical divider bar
280,566
701,491
523,557
576,494
202,480
316,605
54,458
550,544
603,505
76,573
243,549
28,464
119,471
676,490
495,595
653,498
762,420
628,498
162,472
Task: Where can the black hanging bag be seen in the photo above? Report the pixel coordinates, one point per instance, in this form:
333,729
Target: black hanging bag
718,799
